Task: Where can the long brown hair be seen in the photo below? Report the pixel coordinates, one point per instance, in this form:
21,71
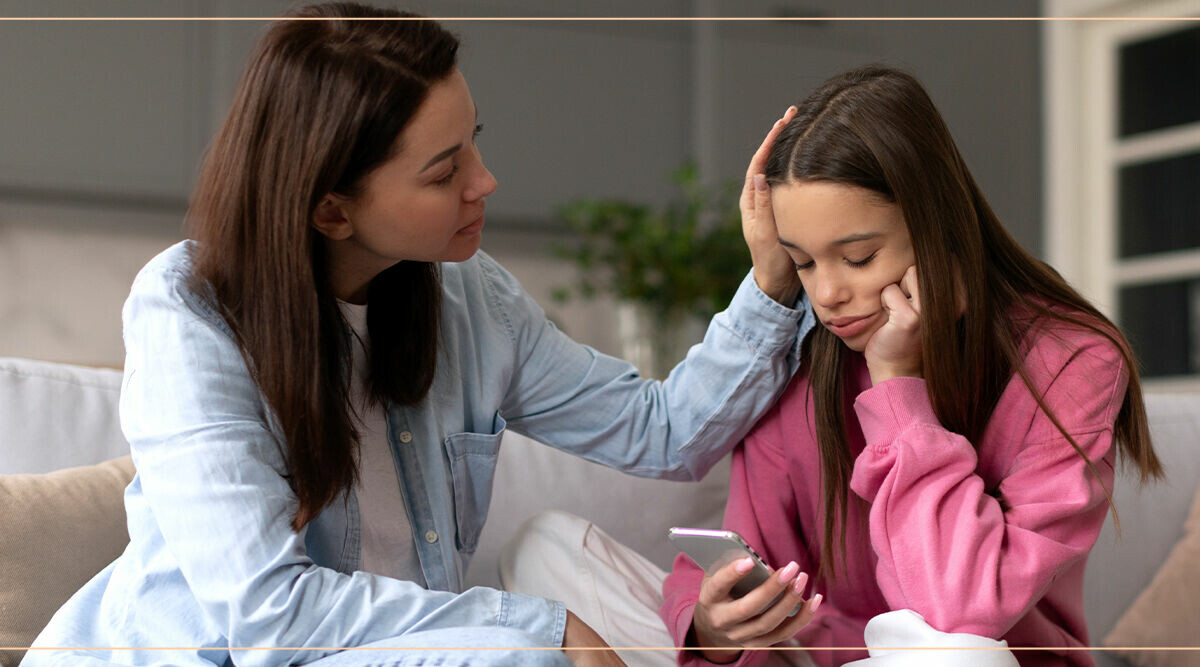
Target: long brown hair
321,104
876,128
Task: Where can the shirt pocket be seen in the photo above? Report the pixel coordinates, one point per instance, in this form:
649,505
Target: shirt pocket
473,467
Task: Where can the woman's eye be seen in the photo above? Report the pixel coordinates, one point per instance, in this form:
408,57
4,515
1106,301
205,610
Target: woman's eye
445,180
478,129
862,262
801,267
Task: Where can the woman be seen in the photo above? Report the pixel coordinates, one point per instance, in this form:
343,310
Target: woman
948,445
316,384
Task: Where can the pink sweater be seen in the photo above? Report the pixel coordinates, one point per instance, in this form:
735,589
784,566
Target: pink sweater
934,540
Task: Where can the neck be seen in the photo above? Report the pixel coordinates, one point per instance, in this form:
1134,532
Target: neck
351,271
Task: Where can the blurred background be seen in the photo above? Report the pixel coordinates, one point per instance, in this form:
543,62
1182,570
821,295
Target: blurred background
1084,135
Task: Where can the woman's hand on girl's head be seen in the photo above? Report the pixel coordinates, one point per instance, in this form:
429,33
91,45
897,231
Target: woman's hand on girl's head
720,621
894,350
774,270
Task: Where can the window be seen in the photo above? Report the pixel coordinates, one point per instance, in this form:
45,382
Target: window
1123,175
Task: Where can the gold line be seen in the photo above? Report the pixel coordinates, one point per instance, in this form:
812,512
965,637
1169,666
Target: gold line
618,648
798,19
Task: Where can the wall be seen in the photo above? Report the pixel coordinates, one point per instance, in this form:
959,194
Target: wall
103,124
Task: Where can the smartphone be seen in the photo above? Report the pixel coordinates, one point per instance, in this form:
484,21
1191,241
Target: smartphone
713,549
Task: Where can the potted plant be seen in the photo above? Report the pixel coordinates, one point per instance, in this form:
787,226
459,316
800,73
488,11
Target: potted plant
670,268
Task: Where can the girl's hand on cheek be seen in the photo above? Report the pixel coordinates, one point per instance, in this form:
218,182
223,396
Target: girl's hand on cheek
894,350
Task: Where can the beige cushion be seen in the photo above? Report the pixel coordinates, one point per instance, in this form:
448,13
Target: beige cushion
1167,613
57,530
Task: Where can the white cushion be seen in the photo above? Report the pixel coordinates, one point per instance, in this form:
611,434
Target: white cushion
56,416
531,477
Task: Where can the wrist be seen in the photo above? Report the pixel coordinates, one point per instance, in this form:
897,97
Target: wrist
886,373
720,657
702,644
785,294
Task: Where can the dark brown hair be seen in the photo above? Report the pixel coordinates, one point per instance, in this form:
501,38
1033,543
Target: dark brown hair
322,103
876,128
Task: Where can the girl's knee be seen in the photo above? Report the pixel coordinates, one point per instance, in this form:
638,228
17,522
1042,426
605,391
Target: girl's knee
541,544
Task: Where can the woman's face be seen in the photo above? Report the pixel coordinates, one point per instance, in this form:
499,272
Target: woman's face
848,243
426,203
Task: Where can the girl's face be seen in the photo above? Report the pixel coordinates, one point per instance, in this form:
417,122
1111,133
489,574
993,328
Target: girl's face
424,204
848,243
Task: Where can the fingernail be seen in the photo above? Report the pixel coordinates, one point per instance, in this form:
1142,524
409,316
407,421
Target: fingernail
788,572
760,181
743,566
791,108
816,601
800,582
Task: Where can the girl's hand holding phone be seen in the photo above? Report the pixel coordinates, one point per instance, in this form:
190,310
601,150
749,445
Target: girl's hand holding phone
757,619
894,350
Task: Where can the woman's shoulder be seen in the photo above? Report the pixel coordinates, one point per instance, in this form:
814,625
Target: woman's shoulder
170,265
481,271
481,287
165,284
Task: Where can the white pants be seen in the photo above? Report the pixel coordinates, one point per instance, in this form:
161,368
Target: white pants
618,593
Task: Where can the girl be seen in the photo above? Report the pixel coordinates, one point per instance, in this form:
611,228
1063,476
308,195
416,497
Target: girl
948,446
316,384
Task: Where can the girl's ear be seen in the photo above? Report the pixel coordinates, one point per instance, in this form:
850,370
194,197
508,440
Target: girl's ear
330,217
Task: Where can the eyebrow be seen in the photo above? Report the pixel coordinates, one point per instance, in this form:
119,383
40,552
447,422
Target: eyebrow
448,152
440,156
853,238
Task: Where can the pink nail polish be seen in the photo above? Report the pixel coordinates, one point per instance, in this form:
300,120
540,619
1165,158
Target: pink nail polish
800,582
816,602
743,566
788,571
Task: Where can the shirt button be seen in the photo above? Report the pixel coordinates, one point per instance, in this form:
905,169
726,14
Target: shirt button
431,536
405,437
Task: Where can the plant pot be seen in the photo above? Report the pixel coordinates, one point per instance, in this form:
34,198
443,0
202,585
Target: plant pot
655,344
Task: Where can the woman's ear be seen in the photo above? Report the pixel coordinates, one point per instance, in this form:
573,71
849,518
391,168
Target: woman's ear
330,217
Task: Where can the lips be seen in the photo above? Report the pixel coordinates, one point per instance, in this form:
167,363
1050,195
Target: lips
848,327
473,228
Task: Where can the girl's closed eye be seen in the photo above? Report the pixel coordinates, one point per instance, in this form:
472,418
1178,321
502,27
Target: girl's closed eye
862,262
801,267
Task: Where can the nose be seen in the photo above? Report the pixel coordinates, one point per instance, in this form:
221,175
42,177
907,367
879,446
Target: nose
482,183
830,290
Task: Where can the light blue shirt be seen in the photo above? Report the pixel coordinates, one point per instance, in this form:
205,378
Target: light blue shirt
212,559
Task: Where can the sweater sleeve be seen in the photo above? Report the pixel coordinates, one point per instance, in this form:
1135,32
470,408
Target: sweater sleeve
759,467
949,550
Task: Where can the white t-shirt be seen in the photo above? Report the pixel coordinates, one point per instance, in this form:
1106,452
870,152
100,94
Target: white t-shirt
387,535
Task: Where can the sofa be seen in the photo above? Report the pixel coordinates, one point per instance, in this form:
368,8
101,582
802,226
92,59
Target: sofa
63,465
